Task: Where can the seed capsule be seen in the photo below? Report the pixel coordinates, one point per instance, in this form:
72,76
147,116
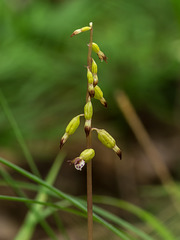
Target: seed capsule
83,29
98,94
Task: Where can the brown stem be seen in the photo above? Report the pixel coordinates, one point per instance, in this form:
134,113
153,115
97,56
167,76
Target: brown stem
89,164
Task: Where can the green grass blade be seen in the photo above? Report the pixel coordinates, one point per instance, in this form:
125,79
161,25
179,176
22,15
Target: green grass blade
139,212
11,182
27,229
18,134
129,227
60,195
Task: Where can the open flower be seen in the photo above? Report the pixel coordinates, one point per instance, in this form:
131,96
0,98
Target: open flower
84,157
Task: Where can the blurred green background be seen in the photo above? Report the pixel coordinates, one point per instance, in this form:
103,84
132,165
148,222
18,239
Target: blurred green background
43,78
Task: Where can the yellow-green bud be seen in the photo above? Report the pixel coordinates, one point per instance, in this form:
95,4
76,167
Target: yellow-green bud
77,31
87,154
88,110
100,54
70,129
89,76
95,47
106,138
73,125
84,29
98,94
94,67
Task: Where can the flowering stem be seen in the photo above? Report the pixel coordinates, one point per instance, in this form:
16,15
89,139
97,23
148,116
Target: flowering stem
88,144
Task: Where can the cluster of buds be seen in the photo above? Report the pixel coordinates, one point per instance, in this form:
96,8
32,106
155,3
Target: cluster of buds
94,91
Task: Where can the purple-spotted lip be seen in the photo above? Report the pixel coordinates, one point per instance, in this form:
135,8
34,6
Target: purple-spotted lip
79,164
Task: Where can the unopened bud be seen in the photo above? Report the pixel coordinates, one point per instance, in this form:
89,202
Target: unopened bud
91,90
95,47
89,76
94,67
106,138
77,31
88,110
99,95
73,125
100,54
70,129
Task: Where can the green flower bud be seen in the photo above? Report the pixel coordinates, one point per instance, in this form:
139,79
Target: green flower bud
89,76
100,54
106,138
73,125
94,67
95,47
88,110
108,141
98,94
83,29
70,129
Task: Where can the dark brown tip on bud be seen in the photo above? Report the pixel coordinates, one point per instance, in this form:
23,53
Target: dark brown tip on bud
119,153
87,130
91,93
72,34
105,58
105,104
61,143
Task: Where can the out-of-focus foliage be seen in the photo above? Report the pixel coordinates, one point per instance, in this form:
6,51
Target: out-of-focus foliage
42,71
